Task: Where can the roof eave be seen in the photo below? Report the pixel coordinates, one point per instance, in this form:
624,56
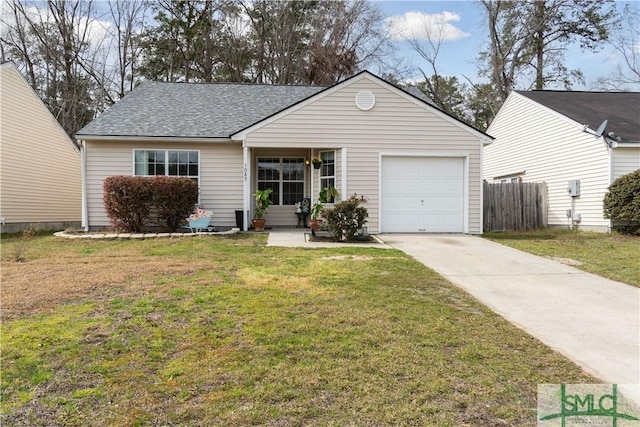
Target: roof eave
630,144
90,137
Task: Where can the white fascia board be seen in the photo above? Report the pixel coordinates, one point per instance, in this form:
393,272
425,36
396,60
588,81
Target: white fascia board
512,94
151,138
616,144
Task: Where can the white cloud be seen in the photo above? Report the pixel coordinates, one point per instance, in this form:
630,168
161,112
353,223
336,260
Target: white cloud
423,26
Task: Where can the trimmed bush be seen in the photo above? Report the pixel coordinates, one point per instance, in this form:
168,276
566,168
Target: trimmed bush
345,219
127,201
134,202
622,203
174,199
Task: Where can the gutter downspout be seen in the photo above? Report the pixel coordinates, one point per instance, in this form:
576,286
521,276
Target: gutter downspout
83,162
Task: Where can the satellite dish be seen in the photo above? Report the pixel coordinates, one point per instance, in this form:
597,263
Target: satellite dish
601,128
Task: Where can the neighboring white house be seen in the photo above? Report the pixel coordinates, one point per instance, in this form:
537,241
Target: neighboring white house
40,176
418,168
576,142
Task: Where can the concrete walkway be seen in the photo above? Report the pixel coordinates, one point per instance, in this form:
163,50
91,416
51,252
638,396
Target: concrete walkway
593,321
299,238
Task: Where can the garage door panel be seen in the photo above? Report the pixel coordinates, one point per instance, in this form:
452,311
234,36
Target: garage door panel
388,186
451,204
422,194
412,220
431,185
410,186
452,185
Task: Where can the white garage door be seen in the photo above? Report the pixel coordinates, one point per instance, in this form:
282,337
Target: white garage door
422,194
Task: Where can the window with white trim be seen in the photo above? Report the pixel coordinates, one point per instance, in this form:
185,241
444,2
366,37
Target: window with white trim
285,176
328,170
167,162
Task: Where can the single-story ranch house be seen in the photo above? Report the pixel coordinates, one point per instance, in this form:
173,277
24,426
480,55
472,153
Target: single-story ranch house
418,168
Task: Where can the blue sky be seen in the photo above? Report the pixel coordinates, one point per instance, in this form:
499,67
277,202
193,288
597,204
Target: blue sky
463,22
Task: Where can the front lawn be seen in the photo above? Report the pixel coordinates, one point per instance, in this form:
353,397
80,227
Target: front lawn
226,331
615,256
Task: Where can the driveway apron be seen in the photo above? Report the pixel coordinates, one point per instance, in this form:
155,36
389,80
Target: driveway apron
592,320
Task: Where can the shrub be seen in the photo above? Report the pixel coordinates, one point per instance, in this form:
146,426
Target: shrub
173,200
127,201
345,219
131,201
622,203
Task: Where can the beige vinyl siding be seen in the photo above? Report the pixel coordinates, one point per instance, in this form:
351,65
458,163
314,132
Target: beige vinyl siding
396,124
550,149
625,160
40,178
220,175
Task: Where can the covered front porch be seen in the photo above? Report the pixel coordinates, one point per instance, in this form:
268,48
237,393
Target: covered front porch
293,177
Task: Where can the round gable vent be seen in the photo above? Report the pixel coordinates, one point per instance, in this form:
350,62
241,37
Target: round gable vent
365,100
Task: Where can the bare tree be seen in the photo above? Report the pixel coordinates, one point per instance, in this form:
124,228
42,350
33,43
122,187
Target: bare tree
128,18
345,37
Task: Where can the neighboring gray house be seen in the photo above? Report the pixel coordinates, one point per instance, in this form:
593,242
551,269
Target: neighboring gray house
563,138
40,177
419,168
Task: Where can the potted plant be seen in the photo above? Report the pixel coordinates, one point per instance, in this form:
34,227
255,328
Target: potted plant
263,201
317,162
326,195
315,221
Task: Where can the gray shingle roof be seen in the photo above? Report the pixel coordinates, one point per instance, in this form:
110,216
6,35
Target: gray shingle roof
620,109
194,110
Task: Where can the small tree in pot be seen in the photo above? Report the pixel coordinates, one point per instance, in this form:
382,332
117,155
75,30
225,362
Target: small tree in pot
263,201
326,195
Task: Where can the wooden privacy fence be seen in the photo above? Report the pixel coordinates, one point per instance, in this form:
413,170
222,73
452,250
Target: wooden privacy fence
515,206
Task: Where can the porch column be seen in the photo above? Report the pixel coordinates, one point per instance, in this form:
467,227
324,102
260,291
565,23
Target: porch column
343,173
246,186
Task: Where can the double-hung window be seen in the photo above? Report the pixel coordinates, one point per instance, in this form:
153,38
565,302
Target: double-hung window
328,170
285,176
184,163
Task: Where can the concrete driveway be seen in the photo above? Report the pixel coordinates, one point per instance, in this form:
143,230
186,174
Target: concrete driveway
593,321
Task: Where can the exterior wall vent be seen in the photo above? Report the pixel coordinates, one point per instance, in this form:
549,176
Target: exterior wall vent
365,100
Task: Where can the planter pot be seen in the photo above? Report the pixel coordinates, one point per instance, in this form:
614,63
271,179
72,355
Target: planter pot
316,224
258,224
317,165
199,224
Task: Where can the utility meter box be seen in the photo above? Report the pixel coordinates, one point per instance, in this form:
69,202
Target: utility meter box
574,188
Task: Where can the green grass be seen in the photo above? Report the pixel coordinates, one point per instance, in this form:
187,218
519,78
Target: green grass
227,331
615,256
